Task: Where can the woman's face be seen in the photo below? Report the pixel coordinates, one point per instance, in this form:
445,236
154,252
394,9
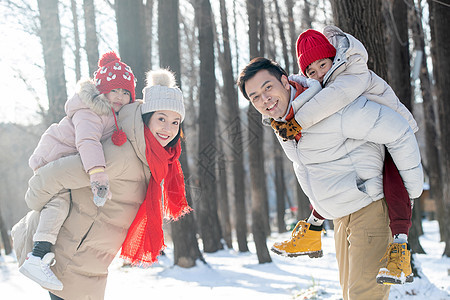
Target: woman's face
164,125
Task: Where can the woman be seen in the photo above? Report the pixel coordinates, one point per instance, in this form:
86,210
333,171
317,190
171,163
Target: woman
91,236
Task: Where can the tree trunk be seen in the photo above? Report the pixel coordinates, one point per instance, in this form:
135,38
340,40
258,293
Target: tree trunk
149,31
398,62
50,34
234,134
5,236
363,19
303,204
131,32
76,40
431,128
185,244
416,229
284,47
280,186
91,46
256,154
306,15
397,48
293,35
224,206
209,221
440,35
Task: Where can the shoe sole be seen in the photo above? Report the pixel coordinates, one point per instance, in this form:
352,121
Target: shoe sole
44,284
393,281
314,254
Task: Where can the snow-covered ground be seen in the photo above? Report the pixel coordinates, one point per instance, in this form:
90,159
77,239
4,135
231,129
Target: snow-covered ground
232,275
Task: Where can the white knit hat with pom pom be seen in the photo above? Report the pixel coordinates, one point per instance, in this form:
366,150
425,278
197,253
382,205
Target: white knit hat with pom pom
162,93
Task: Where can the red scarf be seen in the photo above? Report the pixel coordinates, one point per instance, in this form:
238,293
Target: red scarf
145,238
300,89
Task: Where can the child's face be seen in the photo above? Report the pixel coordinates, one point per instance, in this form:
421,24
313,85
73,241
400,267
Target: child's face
319,68
118,98
268,95
164,125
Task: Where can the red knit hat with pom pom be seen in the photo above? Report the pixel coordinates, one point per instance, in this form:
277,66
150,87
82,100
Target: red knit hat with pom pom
311,46
112,74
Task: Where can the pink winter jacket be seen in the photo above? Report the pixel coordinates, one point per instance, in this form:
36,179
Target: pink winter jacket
89,121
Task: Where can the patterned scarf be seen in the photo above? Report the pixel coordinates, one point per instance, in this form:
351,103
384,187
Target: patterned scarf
300,89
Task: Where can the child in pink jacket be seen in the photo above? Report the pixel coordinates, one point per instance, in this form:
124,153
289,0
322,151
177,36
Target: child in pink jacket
90,119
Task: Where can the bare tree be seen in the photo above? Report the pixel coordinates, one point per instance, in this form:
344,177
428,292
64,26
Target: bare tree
280,185
207,214
185,244
397,48
439,24
224,206
149,31
428,104
292,35
256,154
234,132
76,35
398,63
131,32
50,34
5,236
91,45
364,20
284,46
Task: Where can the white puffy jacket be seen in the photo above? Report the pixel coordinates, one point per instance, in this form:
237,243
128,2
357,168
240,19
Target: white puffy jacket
339,161
348,79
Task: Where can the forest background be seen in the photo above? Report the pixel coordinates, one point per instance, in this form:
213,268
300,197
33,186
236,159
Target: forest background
238,180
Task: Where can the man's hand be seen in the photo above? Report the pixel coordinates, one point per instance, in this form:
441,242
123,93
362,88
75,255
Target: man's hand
286,130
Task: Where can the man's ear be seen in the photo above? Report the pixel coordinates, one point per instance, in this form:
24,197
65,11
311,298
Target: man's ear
285,82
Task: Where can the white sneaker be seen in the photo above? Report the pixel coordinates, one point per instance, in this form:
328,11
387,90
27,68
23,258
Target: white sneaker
38,270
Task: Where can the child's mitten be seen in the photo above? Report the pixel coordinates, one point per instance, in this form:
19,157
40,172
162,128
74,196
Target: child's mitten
286,130
100,186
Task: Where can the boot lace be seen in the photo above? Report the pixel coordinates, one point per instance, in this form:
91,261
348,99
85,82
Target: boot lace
395,259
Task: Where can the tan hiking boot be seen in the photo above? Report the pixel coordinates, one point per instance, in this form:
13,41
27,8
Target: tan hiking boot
304,241
398,268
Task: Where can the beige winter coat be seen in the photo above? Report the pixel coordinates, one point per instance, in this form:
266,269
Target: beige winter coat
91,236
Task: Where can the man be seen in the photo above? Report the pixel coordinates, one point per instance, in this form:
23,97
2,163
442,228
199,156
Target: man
339,164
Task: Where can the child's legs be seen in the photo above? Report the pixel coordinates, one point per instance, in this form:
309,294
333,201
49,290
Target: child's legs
52,217
397,198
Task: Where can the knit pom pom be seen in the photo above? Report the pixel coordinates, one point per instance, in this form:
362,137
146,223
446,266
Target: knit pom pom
107,58
119,137
161,77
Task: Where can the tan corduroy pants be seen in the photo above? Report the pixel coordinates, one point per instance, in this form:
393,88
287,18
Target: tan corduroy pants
52,217
361,239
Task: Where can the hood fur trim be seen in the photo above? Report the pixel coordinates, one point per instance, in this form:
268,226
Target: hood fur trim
92,98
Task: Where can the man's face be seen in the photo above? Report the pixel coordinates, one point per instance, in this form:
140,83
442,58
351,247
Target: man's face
268,95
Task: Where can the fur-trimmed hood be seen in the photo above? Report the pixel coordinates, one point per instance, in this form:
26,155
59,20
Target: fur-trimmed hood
88,96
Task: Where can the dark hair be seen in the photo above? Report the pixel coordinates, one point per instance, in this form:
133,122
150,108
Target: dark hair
254,66
146,119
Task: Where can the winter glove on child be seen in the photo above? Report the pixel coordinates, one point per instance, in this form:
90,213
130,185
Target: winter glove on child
100,186
286,130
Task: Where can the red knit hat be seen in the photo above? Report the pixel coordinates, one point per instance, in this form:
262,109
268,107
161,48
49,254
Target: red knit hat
311,46
114,74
